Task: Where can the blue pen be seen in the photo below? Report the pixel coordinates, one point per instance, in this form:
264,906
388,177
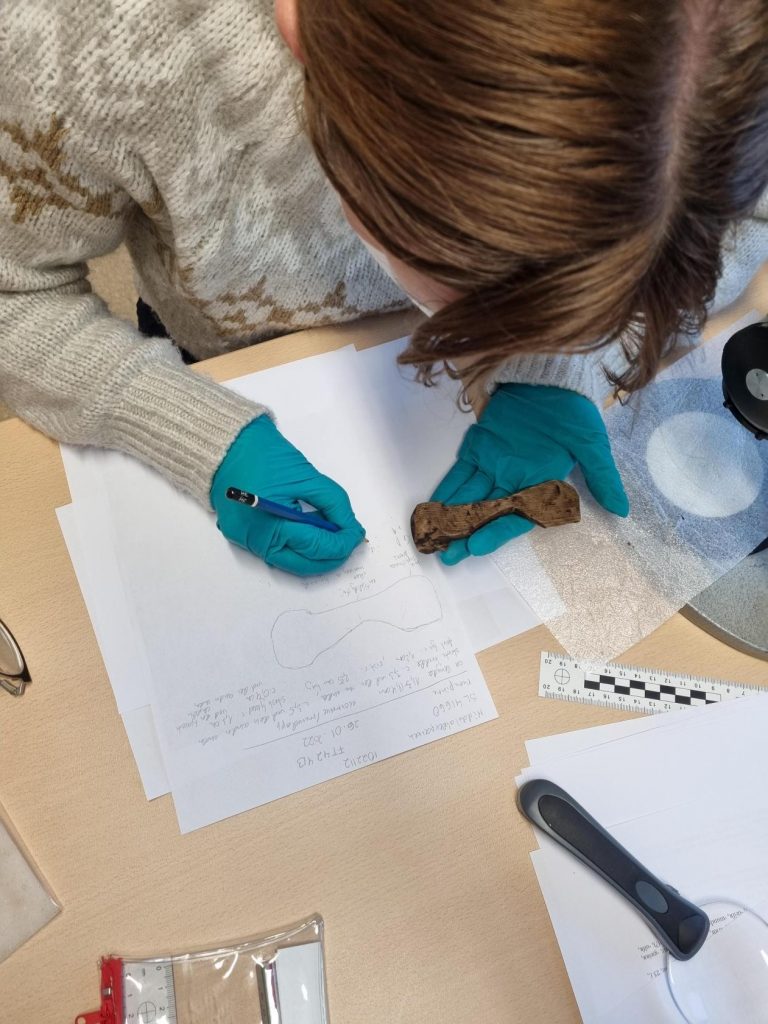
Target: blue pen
281,511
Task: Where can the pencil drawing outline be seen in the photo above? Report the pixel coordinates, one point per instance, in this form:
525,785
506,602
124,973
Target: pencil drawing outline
363,621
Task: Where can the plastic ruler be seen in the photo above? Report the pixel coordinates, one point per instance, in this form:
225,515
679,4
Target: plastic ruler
629,688
149,995
141,992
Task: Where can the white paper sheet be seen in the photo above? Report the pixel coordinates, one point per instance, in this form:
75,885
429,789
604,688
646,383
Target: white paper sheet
119,641
155,529
424,423
565,744
301,984
387,569
687,799
141,730
87,530
675,761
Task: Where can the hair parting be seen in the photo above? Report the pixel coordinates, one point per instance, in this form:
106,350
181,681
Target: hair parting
571,169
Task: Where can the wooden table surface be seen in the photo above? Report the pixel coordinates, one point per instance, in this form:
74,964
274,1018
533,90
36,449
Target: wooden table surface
419,864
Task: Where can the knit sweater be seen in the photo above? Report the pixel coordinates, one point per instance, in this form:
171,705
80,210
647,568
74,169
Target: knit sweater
172,127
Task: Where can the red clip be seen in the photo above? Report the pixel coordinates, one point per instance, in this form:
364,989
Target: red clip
111,1011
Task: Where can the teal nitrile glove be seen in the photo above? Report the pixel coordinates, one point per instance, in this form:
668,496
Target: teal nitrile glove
528,434
261,461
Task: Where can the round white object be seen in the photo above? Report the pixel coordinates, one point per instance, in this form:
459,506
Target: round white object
757,384
705,464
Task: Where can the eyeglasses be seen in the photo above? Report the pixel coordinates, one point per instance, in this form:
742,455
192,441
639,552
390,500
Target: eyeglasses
14,674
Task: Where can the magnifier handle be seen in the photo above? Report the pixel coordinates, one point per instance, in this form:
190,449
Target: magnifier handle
679,925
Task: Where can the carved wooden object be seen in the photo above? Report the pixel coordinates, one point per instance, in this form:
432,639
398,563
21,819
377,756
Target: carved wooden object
435,525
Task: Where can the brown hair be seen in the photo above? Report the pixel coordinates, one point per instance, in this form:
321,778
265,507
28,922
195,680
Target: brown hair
570,167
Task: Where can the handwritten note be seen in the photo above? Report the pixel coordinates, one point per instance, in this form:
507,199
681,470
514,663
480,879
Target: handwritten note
394,674
339,673
263,711
404,698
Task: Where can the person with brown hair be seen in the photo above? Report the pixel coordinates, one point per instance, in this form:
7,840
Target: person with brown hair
565,188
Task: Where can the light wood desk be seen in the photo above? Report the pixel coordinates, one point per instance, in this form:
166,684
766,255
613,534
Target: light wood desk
419,864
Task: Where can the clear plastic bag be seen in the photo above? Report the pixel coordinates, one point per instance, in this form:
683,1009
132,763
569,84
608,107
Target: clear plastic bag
276,978
26,901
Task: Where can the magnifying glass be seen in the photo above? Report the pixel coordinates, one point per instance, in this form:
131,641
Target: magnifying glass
716,950
14,674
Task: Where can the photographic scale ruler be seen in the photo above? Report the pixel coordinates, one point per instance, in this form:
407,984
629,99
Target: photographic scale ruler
135,993
629,688
149,993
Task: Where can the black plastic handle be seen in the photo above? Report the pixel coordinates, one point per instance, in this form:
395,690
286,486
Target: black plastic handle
678,924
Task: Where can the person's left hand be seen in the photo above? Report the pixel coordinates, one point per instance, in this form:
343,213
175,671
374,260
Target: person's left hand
528,434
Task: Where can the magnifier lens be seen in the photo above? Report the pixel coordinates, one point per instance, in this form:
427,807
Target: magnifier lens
11,661
727,980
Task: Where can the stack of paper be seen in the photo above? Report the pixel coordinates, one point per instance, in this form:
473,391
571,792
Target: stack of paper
239,684
685,794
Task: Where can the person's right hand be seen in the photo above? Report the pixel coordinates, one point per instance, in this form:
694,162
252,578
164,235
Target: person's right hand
261,461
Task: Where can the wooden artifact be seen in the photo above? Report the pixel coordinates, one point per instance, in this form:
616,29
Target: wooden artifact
434,525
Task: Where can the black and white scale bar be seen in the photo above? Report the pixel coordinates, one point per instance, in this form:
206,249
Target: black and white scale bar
628,688
653,691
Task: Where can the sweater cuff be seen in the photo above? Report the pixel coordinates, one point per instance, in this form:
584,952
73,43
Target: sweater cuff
178,422
584,373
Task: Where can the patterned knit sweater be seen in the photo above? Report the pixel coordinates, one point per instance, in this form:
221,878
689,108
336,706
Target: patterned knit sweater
172,126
